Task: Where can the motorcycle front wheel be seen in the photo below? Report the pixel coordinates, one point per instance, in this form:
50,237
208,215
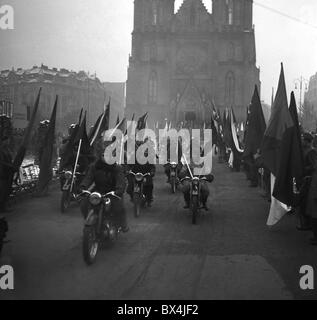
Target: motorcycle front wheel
90,245
194,210
137,205
173,184
65,201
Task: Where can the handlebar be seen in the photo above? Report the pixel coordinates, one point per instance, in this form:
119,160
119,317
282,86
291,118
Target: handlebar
76,173
144,175
195,178
112,194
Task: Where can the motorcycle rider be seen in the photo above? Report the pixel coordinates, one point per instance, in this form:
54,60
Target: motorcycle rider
103,178
68,160
144,169
167,166
186,171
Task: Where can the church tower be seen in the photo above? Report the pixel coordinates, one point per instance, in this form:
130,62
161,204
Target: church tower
181,62
234,13
148,69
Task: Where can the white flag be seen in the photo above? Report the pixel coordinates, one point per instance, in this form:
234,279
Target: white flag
278,209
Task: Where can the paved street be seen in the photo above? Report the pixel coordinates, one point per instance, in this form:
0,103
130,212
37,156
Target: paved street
230,254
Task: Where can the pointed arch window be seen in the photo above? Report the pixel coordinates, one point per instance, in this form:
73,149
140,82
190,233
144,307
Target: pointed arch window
229,11
153,51
230,89
152,96
154,13
192,16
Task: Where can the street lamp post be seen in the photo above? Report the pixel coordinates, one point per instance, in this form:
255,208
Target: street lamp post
299,84
88,104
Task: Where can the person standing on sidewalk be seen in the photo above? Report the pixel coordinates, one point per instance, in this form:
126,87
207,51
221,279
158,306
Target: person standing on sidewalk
6,170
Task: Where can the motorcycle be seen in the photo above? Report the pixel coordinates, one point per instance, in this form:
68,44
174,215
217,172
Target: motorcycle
195,194
173,176
100,226
3,232
139,199
69,192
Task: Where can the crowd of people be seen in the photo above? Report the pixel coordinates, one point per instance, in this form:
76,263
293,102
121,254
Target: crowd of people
259,176
102,177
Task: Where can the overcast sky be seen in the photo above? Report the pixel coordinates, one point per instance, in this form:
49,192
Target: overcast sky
95,35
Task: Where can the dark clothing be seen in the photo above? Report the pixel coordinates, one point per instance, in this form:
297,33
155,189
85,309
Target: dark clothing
6,166
143,168
307,191
82,167
5,190
311,171
6,175
167,169
236,160
117,208
252,170
186,187
314,227
107,178
148,184
310,158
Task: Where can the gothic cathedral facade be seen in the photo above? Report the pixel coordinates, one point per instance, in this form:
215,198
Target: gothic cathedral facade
183,62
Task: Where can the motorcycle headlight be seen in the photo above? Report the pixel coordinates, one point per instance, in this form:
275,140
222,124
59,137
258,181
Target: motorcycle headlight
95,198
195,182
173,165
139,177
68,175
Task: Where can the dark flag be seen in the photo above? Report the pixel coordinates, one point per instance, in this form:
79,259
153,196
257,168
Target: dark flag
82,135
128,128
69,149
214,129
101,126
142,122
279,123
80,115
247,124
235,143
227,129
46,159
214,125
95,128
104,125
22,149
277,131
291,164
121,125
255,127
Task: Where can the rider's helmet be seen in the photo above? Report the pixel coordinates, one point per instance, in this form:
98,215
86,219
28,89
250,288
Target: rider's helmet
71,128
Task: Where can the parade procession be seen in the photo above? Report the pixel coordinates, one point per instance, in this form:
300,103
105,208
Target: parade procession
178,183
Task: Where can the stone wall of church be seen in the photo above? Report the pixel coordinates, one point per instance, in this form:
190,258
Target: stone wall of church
214,55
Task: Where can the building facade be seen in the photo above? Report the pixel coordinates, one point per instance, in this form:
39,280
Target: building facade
309,117
116,90
76,90
182,62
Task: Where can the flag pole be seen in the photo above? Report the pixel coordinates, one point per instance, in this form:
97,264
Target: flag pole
188,167
121,149
76,163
